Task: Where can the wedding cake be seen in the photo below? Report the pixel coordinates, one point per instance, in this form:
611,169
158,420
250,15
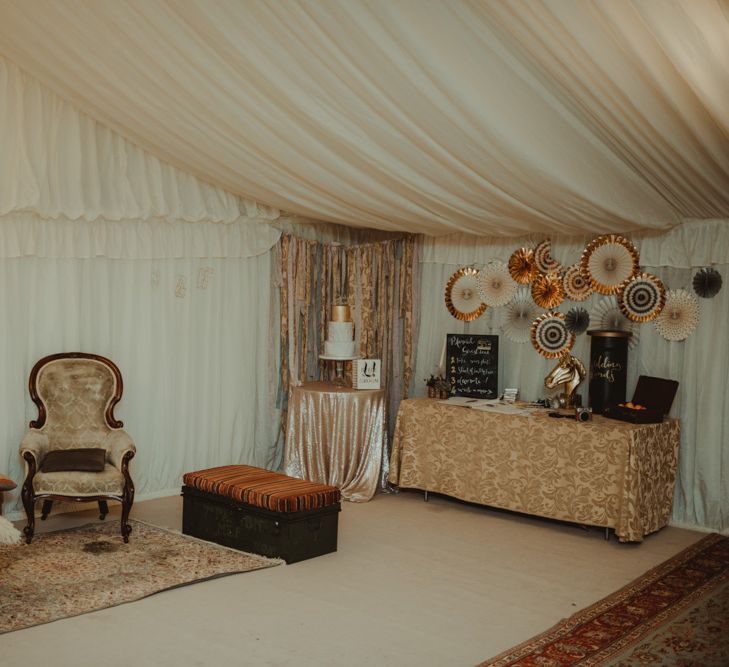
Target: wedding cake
340,334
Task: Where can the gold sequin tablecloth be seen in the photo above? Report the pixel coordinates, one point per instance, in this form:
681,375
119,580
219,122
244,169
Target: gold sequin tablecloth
600,473
335,435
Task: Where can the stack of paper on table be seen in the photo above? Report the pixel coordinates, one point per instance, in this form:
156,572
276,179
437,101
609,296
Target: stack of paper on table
488,405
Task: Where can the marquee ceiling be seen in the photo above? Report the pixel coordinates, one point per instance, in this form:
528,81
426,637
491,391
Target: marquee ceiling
497,118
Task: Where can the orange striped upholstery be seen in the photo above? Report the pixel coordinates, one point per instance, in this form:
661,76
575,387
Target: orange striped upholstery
263,488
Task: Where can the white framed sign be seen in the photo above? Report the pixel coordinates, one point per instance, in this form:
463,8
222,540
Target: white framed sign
366,373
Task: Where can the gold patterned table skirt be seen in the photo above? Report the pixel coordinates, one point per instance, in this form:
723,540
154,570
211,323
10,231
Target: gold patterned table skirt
335,435
600,473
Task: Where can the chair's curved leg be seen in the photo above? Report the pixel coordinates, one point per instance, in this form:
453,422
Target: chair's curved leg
127,497
28,497
46,509
126,527
103,509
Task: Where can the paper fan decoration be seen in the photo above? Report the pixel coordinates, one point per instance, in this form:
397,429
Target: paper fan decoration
550,336
543,259
518,316
609,261
495,286
577,320
521,266
707,282
679,316
547,290
642,298
606,315
576,286
461,295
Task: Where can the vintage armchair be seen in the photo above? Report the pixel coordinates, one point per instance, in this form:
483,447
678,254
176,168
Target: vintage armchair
76,394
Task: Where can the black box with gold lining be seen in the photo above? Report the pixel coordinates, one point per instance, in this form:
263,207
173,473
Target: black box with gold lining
656,394
293,536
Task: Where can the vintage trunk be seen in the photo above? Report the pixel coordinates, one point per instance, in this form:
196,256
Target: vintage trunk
293,536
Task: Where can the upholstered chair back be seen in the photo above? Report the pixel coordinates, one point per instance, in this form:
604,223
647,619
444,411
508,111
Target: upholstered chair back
77,395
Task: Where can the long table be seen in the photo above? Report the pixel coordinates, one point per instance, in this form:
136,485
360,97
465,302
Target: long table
602,473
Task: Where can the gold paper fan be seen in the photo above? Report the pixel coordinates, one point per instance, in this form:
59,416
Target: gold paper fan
543,259
643,297
576,286
550,335
547,290
608,262
461,295
521,266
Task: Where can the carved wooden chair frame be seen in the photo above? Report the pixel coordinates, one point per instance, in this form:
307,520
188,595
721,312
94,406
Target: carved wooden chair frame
29,496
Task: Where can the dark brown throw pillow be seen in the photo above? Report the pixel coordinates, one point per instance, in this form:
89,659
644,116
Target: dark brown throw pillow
80,460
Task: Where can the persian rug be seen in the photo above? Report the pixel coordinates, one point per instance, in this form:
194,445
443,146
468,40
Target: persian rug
75,571
675,614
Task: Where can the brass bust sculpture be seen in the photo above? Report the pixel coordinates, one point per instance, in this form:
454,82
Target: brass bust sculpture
570,372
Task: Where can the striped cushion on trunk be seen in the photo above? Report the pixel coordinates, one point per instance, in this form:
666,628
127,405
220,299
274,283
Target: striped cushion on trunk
263,488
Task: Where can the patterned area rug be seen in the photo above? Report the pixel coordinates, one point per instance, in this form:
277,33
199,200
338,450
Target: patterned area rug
675,614
75,571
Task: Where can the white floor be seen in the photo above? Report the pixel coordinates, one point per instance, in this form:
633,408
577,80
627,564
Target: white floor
413,583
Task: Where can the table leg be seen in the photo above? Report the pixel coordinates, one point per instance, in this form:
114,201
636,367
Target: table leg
339,370
426,496
607,534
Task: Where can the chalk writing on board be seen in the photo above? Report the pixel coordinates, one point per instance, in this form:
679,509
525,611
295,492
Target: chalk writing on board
472,367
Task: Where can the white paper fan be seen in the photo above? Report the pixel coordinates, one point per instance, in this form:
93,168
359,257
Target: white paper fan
519,315
496,287
608,261
679,316
606,315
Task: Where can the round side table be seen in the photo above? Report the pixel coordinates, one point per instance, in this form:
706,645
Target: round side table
6,484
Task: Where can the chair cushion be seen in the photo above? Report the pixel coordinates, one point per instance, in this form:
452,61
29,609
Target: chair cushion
90,459
108,482
263,488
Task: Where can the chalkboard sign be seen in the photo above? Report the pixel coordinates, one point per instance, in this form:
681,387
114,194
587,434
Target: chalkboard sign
472,365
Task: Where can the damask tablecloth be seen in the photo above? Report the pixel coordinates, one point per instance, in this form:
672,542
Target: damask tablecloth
336,435
600,473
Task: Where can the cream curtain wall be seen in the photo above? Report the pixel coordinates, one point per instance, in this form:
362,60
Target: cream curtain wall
498,118
700,364
106,249
189,335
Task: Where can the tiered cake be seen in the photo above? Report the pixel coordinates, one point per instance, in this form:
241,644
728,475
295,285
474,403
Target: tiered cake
340,334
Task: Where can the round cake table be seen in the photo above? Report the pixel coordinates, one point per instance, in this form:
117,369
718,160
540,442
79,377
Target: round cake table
336,435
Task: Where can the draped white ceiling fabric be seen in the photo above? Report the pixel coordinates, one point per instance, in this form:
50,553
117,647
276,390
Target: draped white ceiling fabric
70,187
498,118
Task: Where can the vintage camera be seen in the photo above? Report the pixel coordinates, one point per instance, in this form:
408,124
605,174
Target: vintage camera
583,414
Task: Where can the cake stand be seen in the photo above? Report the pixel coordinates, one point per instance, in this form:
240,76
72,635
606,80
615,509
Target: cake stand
338,366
